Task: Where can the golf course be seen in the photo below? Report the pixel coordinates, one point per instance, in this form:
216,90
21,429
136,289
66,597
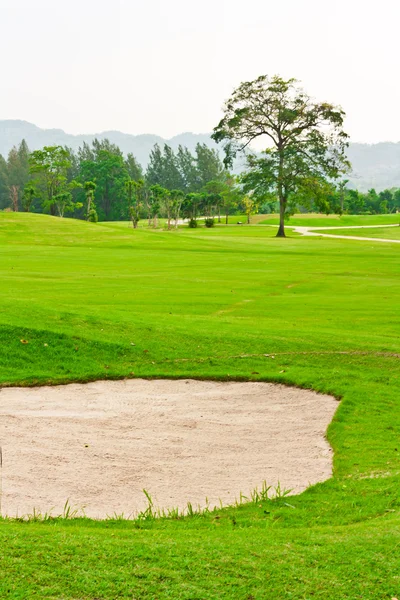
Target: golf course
84,302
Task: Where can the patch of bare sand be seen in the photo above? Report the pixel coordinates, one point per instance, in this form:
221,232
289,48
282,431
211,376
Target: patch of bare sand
99,444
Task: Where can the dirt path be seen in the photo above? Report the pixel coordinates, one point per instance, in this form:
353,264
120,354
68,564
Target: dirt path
100,444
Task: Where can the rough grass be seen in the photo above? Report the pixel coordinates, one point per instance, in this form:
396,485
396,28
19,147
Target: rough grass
213,303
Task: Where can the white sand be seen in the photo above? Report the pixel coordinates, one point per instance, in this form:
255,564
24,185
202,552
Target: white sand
99,444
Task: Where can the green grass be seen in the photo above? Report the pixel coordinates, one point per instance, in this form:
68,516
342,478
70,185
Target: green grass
212,303
318,220
389,233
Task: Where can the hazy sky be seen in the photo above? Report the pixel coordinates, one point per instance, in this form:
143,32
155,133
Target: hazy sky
166,66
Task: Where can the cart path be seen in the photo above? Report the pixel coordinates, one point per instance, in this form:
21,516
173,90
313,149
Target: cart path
314,231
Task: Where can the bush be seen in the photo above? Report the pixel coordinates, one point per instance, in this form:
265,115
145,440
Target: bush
192,223
209,222
92,216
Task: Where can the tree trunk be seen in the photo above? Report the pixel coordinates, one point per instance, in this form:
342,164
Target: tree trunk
281,230
14,192
282,199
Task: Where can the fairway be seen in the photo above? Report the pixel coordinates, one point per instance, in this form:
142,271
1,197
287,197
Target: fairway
82,302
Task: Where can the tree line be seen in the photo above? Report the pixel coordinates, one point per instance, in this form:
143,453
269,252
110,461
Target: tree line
99,183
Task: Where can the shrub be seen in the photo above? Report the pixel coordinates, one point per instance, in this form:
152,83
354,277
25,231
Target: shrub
193,223
209,222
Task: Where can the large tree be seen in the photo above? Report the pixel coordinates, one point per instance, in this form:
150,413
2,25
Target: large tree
306,141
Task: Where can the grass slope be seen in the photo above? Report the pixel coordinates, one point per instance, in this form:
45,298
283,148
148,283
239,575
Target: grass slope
213,303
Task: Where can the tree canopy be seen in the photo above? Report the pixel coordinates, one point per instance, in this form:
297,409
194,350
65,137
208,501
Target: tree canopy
305,139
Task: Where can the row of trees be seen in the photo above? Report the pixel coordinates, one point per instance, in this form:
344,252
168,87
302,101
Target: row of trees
98,182
353,202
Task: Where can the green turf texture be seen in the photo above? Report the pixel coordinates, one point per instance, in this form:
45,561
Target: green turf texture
212,303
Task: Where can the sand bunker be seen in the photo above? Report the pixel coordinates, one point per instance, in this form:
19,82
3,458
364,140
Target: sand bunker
99,444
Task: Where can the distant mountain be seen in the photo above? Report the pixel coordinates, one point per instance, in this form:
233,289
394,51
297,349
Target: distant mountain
374,165
12,132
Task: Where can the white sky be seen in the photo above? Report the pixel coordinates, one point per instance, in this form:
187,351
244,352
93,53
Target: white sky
165,67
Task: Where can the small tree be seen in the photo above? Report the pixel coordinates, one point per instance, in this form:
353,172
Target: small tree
63,202
27,197
342,193
91,212
159,194
50,165
215,190
177,200
134,198
306,141
191,205
250,207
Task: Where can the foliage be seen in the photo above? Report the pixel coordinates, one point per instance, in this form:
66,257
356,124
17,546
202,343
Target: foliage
193,223
91,212
250,206
186,164
209,222
133,168
104,164
14,175
307,142
183,171
50,167
163,169
209,165
137,194
28,197
158,195
176,197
